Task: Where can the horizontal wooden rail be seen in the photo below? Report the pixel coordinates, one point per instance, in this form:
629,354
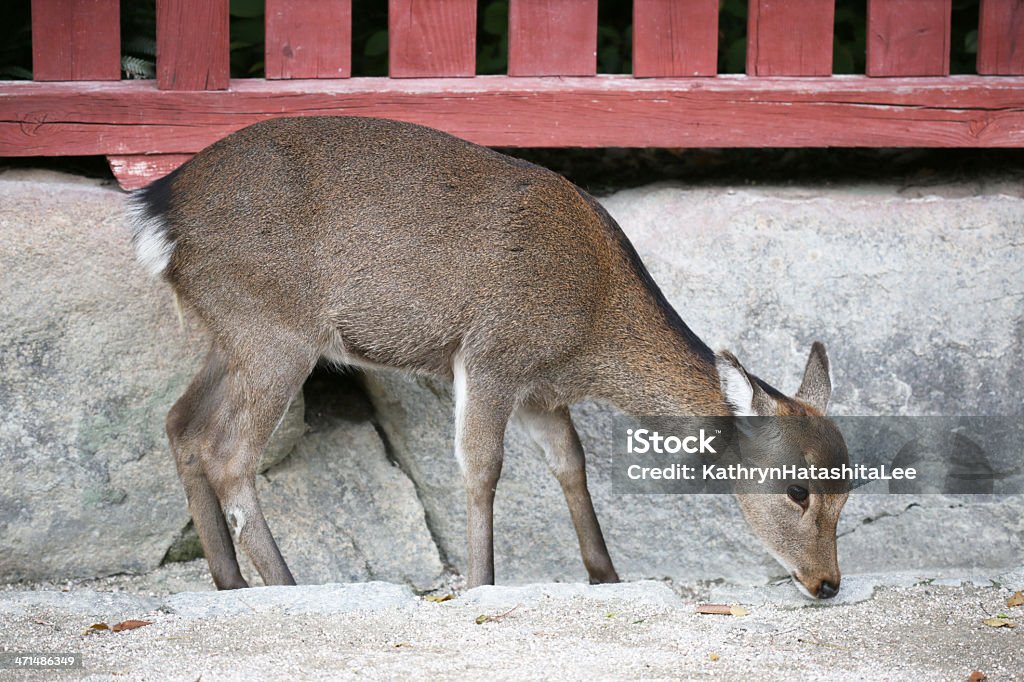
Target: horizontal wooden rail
135,118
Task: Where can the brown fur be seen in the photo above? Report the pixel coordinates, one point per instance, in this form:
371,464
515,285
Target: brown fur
378,243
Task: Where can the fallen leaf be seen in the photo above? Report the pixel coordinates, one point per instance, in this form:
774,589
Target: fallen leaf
439,597
484,618
721,610
40,621
400,645
713,656
131,625
999,623
1016,600
977,676
95,627
609,616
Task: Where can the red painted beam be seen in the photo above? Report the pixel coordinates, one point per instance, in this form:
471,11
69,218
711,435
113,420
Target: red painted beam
1001,37
134,117
675,38
427,38
76,40
908,37
308,39
192,45
552,38
135,171
790,37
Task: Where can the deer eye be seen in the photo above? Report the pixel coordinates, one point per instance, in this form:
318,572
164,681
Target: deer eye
798,494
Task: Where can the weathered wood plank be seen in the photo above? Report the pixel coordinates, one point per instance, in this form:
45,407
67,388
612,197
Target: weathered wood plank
552,38
1001,37
76,40
192,45
790,37
308,39
431,38
908,37
133,117
675,38
138,170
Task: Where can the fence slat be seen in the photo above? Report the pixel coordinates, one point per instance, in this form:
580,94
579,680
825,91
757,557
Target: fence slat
552,38
790,37
908,37
76,40
675,38
1001,38
431,38
308,39
192,45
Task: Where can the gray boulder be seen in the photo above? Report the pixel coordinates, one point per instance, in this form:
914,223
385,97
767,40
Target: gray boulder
340,510
91,359
916,293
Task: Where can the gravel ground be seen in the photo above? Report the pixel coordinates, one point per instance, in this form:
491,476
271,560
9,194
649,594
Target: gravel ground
880,628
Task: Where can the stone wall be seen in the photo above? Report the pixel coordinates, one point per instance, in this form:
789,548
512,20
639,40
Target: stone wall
917,292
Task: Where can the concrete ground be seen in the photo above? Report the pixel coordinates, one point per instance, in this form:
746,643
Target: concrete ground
892,628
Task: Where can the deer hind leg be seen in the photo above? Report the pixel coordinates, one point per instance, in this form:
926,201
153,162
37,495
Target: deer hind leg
554,432
185,425
221,441
482,411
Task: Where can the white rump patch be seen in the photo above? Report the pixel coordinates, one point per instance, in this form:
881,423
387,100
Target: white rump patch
149,236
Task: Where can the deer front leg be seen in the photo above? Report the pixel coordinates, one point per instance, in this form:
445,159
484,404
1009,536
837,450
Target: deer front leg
480,421
554,432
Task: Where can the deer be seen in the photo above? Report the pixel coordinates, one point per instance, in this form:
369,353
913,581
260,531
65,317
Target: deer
372,243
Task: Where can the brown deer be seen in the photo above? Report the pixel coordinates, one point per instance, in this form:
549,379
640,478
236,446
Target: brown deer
375,243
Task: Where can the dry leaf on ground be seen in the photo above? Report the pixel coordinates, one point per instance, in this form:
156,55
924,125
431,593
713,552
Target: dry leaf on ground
1016,600
977,676
484,618
999,623
721,610
438,597
131,625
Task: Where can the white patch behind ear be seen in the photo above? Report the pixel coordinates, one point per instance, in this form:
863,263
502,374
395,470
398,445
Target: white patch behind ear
736,388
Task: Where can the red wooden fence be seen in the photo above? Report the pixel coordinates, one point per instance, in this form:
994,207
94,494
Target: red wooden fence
551,96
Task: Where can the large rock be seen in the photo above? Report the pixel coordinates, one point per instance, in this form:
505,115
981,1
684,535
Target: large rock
340,510
919,299
91,359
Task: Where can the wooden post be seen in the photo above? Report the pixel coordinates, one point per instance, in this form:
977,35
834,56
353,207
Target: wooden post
192,45
675,38
1001,38
308,39
908,37
431,38
75,40
790,37
552,38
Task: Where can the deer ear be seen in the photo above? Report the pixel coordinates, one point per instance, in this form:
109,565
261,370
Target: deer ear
816,387
737,388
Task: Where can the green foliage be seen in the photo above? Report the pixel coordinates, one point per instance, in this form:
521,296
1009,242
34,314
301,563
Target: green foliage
370,38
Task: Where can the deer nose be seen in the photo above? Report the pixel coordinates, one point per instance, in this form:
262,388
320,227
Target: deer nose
828,589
